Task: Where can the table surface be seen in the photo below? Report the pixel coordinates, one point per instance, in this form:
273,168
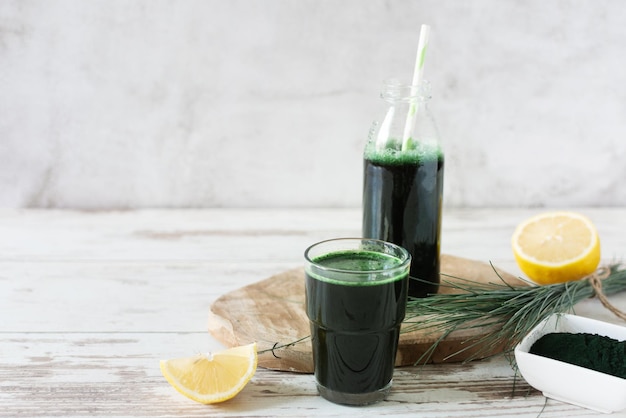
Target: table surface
91,301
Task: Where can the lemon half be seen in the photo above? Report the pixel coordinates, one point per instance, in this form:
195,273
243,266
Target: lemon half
556,247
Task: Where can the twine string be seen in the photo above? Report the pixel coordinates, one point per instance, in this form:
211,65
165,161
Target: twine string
595,280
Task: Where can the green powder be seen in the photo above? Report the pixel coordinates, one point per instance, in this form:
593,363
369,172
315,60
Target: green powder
592,351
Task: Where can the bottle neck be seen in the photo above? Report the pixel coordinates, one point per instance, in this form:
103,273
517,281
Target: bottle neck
395,92
408,126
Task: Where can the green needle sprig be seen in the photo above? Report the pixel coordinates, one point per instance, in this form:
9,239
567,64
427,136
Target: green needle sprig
508,312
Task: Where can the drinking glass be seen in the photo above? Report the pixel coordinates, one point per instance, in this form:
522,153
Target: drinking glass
356,294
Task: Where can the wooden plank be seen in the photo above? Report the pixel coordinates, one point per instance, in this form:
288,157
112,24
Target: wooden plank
182,235
117,296
117,374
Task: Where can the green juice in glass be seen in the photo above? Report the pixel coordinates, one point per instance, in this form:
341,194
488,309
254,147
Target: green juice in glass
356,301
402,200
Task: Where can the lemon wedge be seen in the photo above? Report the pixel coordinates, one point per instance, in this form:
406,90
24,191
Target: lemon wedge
213,377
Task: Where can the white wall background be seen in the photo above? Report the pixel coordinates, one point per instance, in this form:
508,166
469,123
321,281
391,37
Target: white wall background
267,103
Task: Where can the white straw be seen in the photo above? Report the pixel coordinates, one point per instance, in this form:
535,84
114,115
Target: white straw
418,75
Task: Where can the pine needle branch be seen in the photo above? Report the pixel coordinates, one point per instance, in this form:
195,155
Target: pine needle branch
510,312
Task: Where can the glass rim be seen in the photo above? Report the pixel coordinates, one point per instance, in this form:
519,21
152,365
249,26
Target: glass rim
403,261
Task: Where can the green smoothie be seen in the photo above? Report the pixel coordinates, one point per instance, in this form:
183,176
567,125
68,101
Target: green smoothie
402,200
355,318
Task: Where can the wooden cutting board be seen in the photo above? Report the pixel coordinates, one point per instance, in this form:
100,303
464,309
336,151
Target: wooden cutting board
271,312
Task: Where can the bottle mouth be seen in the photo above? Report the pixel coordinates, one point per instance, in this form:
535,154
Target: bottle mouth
395,90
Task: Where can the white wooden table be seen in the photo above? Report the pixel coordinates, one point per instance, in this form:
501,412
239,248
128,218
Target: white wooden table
91,301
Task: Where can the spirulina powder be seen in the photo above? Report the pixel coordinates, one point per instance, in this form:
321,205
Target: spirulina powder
592,351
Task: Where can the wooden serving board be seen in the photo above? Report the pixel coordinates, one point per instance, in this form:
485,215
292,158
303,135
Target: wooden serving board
271,312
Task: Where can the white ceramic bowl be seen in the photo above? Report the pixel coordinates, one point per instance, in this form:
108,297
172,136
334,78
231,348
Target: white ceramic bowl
566,382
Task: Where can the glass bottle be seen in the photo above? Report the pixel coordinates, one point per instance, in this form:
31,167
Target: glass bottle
403,182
